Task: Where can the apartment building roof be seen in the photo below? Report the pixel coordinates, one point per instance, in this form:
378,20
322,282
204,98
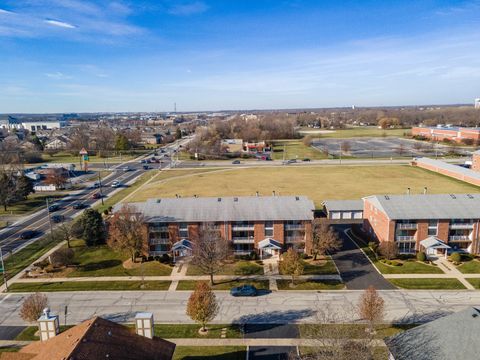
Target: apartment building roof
212,209
96,338
449,167
343,205
436,206
450,337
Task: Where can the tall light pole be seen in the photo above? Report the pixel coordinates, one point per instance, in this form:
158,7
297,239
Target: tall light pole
50,219
100,184
3,269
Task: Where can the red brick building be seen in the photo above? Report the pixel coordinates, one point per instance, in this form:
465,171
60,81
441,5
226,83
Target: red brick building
441,133
244,221
408,219
476,161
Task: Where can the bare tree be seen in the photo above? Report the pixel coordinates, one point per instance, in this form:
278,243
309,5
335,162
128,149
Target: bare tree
62,257
127,232
346,146
202,306
67,231
371,307
388,249
33,306
57,177
307,140
211,251
325,239
291,264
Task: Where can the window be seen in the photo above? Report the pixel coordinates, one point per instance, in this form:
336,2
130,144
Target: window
268,228
432,228
183,230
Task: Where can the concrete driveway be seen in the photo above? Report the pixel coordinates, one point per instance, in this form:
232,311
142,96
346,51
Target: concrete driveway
271,331
355,268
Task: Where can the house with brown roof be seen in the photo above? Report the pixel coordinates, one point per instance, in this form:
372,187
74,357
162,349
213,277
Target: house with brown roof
93,339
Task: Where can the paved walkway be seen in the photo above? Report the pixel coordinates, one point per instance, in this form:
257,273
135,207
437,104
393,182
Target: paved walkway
453,272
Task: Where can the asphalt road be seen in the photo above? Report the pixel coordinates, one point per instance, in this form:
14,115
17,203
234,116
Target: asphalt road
271,331
10,240
355,268
279,307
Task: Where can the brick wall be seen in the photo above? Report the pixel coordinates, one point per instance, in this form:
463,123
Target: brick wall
381,225
308,237
259,232
476,161
278,232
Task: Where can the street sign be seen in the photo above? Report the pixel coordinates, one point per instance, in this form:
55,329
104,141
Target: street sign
83,152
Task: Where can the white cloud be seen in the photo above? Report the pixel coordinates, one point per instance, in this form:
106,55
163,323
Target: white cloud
187,9
61,24
57,75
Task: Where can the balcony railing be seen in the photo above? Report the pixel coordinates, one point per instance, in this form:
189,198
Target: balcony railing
405,238
407,226
243,240
459,238
243,227
292,239
158,253
159,241
467,226
294,227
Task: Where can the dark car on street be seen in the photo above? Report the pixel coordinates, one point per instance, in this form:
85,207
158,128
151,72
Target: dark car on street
53,208
27,234
78,206
244,290
96,196
236,162
58,218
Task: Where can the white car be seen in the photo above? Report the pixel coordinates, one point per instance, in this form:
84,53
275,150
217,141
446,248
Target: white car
115,184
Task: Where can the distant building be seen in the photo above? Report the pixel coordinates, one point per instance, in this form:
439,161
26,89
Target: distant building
58,143
43,124
232,145
452,133
477,103
476,161
250,223
447,338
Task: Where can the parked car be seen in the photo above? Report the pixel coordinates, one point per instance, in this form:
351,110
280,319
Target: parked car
306,159
146,167
58,218
28,234
96,195
96,185
116,184
53,208
126,168
78,206
143,161
236,162
244,290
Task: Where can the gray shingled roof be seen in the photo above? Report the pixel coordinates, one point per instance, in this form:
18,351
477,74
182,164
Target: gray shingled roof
437,206
451,337
343,205
449,167
210,209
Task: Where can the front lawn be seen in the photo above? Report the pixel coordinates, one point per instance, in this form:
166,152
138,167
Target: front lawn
410,266
103,261
475,282
470,267
123,285
317,267
210,353
241,267
428,284
178,331
224,284
310,285
352,331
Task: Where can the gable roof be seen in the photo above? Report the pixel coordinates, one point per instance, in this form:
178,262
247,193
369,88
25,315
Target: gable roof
424,207
98,338
459,170
451,337
212,209
343,205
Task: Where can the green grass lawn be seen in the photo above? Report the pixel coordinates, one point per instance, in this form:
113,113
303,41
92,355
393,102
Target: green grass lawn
68,158
210,353
318,182
224,284
470,267
310,285
379,353
368,131
88,286
240,267
409,266
175,331
295,149
103,261
474,282
33,203
428,284
318,268
352,331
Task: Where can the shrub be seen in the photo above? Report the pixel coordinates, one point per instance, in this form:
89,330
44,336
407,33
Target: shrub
62,257
253,255
165,259
373,246
33,306
456,257
42,264
421,256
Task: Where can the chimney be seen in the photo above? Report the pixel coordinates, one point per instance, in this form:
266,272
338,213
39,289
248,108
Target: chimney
144,324
425,190
257,194
48,325
408,191
273,193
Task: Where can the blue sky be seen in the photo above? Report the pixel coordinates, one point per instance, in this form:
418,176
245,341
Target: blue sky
139,55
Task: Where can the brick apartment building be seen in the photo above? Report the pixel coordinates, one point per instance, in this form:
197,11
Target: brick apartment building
453,219
441,133
476,161
244,221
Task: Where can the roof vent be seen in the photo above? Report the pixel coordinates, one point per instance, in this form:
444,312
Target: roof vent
470,196
474,315
273,193
159,201
257,193
297,198
235,199
453,196
387,197
109,333
219,199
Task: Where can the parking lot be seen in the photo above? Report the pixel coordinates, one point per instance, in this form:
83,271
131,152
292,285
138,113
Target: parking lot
375,147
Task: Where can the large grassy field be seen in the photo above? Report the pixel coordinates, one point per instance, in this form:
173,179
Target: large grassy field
318,182
33,203
126,285
295,149
370,131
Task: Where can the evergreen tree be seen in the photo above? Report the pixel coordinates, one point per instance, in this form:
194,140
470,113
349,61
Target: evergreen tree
24,187
121,142
93,229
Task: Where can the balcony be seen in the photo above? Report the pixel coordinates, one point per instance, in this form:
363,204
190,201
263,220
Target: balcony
294,227
466,226
407,226
158,229
294,239
405,238
159,241
243,227
243,240
459,238
158,253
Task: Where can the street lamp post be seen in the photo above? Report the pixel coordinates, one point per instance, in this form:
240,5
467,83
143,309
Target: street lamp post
3,269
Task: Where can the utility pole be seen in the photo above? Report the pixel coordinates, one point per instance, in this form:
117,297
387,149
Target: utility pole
3,269
100,184
50,219
340,154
